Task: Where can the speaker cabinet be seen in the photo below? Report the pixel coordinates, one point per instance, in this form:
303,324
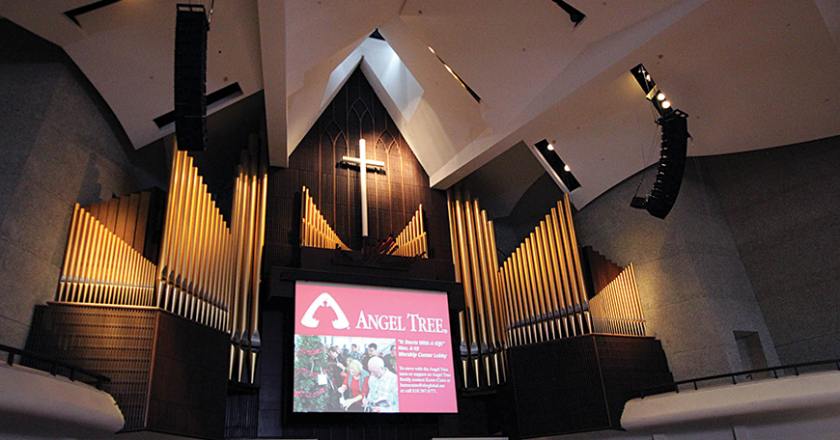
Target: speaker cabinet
191,28
671,166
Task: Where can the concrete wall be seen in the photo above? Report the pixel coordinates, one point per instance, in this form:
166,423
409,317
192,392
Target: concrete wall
59,145
694,288
783,207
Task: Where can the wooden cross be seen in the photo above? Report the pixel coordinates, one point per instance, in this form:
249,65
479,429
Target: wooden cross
363,165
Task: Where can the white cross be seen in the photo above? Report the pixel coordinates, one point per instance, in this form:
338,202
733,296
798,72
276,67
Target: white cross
363,165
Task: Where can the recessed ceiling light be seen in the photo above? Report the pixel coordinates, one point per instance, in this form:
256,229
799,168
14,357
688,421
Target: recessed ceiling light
666,104
660,96
566,167
550,147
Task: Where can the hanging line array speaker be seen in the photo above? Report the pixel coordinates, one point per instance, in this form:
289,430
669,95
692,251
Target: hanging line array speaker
671,166
191,28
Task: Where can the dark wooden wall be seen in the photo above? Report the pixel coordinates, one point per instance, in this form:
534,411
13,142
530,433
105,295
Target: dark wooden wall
393,197
168,374
599,270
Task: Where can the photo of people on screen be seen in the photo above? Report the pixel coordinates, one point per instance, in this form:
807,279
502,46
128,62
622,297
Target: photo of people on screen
336,374
383,395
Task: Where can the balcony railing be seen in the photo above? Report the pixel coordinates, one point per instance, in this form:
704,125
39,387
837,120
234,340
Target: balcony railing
744,375
55,367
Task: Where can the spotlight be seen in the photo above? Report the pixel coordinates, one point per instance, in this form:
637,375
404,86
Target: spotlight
554,165
652,92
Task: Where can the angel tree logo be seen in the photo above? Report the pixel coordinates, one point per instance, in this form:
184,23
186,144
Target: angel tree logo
325,308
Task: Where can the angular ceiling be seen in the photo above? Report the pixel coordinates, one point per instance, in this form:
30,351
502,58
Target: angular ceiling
751,74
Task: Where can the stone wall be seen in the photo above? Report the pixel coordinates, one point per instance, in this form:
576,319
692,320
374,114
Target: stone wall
59,145
783,207
695,291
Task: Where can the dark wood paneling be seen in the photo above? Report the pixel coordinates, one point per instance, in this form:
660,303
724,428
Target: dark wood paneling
168,374
189,378
136,218
581,383
598,270
393,196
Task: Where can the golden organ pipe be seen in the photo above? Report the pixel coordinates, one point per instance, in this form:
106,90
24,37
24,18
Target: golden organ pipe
482,292
542,276
536,288
527,262
453,228
548,280
559,280
527,309
263,176
485,296
551,274
564,272
513,295
467,281
512,330
500,337
168,228
478,312
542,287
576,259
68,254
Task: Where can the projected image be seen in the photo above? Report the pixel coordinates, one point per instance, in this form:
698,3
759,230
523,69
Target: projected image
346,374
366,349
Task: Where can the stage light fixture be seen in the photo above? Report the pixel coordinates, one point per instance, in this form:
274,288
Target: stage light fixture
652,92
554,165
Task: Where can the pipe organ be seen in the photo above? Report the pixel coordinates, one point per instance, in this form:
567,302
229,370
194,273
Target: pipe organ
544,285
537,294
206,272
314,229
248,235
100,268
617,308
481,324
193,274
412,240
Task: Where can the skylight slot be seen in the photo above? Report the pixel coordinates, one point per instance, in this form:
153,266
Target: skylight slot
452,72
225,93
561,170
575,15
73,13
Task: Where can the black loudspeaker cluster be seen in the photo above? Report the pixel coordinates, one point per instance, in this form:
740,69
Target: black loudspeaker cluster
671,166
191,28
